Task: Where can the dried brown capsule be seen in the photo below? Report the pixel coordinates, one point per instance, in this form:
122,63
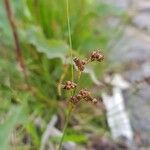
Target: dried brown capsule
94,100
79,63
74,99
89,98
69,85
84,93
79,96
96,55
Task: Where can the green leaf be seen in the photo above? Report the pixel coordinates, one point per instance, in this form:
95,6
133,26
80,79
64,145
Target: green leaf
16,115
5,31
76,138
71,137
32,130
51,48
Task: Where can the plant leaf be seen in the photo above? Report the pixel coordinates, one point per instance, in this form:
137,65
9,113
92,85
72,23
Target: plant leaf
51,48
16,115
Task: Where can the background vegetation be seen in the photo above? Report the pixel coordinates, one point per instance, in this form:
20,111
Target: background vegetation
43,35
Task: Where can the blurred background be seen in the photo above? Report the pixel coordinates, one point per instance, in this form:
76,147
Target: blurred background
34,60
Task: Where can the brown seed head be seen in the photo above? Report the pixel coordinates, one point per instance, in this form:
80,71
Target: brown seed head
74,99
85,93
94,100
69,85
79,63
96,56
89,98
79,96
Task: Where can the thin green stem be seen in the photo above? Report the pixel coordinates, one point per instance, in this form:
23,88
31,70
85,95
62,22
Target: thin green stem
70,40
72,76
65,127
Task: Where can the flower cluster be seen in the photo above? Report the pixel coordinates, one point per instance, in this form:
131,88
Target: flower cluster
96,55
69,85
79,63
83,94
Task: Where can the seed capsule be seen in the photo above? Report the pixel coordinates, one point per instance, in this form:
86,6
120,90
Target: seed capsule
94,100
74,99
85,93
69,85
96,56
79,63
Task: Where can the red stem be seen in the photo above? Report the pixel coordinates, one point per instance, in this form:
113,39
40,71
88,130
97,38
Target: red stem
16,38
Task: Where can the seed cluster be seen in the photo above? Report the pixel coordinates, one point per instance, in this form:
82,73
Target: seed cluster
83,94
96,55
69,85
79,63
75,99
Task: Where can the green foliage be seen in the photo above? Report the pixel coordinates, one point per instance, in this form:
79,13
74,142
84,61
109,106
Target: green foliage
77,138
43,35
51,48
16,116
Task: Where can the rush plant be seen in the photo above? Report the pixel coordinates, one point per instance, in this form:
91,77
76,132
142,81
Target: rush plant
49,42
77,94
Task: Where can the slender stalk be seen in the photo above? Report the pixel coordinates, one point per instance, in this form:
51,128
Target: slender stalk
16,38
72,76
70,39
65,127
